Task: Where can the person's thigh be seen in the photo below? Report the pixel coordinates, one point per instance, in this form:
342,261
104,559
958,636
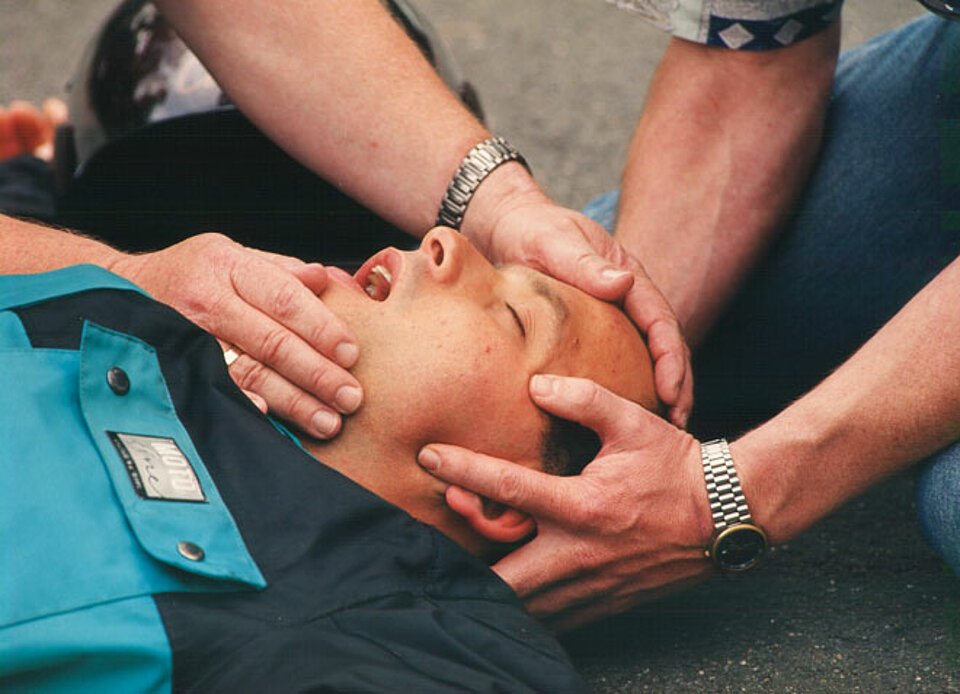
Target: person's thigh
938,503
872,229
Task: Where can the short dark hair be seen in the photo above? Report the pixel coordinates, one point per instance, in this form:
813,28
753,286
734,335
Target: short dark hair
566,447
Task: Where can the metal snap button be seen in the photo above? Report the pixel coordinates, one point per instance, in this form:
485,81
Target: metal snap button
190,551
118,381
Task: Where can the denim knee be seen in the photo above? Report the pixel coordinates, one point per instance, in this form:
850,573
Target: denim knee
603,209
938,503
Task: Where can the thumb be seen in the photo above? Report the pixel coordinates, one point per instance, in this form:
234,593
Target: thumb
565,251
578,264
582,401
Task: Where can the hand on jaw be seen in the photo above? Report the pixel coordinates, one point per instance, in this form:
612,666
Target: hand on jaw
294,353
630,528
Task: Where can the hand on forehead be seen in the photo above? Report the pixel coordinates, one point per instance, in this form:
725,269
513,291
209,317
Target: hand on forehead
589,338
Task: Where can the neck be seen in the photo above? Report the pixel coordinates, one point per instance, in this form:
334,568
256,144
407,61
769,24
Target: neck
387,467
362,453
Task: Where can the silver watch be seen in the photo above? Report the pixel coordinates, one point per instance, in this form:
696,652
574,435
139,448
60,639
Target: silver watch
476,166
738,543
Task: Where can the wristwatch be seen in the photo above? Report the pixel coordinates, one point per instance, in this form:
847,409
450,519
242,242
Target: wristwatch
475,167
738,543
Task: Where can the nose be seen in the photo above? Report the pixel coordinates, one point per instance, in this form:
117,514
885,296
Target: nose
445,250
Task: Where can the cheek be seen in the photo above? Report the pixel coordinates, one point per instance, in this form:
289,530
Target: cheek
443,379
477,396
492,411
490,369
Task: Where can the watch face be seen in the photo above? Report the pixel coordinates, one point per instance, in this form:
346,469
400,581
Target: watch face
739,547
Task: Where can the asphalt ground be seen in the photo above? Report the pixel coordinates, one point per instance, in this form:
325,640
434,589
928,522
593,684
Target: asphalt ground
859,603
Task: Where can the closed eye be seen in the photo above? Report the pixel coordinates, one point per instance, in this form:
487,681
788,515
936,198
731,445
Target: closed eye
516,317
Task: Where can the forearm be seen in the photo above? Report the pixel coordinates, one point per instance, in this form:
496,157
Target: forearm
896,401
338,85
26,247
723,148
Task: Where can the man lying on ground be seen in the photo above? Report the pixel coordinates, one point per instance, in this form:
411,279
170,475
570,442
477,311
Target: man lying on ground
164,534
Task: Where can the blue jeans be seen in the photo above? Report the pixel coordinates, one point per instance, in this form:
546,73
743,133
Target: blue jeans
878,220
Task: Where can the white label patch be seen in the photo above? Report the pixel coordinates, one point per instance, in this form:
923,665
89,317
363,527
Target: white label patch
157,467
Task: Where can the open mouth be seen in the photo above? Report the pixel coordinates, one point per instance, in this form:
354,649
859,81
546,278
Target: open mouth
378,275
377,285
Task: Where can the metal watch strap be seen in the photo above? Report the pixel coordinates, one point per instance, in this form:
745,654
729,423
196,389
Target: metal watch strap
727,503
476,166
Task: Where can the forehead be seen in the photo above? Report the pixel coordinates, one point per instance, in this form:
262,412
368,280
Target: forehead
594,339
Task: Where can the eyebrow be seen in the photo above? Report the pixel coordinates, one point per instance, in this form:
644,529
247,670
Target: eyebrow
542,288
560,309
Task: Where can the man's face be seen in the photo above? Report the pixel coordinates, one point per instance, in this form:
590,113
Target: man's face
448,350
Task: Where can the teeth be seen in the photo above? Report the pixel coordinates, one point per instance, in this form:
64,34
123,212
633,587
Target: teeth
378,283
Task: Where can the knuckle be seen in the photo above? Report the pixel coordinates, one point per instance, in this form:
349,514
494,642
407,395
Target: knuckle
664,336
213,306
530,250
298,406
275,344
586,393
586,260
200,307
249,374
213,247
583,559
212,239
323,382
283,301
509,488
588,514
323,333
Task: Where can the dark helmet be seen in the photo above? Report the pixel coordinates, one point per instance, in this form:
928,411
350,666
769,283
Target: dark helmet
154,151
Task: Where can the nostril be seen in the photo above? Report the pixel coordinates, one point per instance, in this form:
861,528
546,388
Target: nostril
436,250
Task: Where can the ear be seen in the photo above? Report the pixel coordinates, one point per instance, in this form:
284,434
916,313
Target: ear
490,519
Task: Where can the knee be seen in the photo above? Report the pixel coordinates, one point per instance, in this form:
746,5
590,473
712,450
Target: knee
938,503
603,210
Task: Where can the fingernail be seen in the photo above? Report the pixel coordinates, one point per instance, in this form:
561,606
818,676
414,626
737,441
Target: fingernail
346,354
348,399
429,459
613,274
542,386
325,424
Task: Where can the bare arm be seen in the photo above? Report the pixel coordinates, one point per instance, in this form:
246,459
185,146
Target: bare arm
338,84
26,247
896,401
262,303
725,143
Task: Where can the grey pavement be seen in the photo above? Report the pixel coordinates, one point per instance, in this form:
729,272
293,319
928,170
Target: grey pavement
859,603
